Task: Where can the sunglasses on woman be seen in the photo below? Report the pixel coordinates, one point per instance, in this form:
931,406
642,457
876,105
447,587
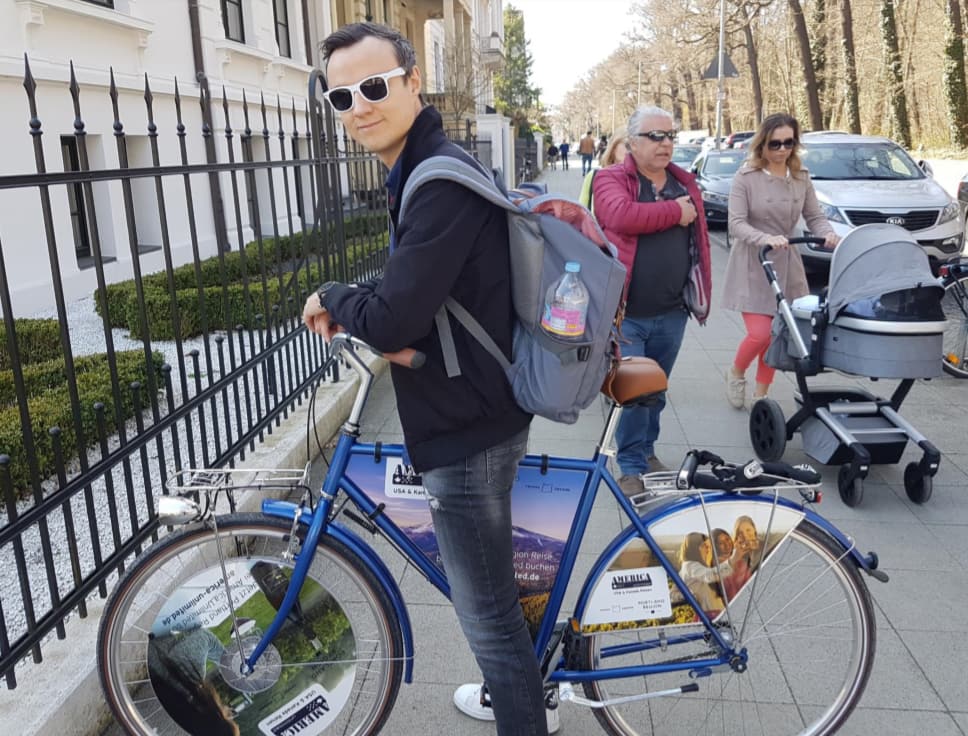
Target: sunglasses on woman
788,144
373,89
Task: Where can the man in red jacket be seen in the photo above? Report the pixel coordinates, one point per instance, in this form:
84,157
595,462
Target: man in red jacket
651,210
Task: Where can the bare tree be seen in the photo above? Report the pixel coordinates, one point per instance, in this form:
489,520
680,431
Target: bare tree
851,94
809,78
954,74
896,97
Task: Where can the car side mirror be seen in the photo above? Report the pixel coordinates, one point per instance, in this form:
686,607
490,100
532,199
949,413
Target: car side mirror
926,167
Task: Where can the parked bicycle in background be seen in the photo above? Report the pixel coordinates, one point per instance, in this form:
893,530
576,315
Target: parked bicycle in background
954,278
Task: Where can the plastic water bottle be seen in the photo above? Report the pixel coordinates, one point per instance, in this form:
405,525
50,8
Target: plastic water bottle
566,305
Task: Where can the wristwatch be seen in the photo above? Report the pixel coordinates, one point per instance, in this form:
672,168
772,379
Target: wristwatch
323,290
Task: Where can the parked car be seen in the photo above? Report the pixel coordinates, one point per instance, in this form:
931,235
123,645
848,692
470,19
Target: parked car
684,155
739,139
863,179
714,172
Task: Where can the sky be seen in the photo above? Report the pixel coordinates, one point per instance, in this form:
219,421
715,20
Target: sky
569,37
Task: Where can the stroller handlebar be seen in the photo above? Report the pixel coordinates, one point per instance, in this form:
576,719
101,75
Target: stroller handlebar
806,239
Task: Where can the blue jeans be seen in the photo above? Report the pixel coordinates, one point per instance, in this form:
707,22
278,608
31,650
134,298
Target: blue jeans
586,162
470,502
658,338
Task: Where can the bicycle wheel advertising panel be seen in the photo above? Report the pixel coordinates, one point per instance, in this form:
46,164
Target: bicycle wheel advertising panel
300,683
717,550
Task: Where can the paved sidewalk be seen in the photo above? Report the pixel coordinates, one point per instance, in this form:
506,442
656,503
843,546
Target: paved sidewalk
918,684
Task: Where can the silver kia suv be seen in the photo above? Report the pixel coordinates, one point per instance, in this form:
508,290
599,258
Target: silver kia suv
861,179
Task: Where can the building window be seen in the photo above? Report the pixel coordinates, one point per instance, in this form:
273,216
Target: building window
232,20
105,3
282,27
75,200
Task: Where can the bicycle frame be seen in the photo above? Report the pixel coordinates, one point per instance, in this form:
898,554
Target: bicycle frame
322,521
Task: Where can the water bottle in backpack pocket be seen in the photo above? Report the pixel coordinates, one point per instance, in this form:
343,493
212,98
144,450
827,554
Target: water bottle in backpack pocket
564,339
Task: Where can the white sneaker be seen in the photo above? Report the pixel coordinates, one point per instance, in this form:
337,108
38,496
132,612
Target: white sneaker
472,702
735,390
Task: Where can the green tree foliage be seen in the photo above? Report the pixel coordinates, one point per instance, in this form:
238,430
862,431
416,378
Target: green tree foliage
515,96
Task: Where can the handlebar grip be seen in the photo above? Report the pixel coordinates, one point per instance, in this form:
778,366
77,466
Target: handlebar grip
408,358
765,252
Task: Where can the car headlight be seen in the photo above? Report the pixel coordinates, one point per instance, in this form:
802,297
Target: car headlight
950,212
833,214
715,197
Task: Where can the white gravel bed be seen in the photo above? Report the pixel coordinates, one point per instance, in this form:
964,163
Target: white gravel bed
87,337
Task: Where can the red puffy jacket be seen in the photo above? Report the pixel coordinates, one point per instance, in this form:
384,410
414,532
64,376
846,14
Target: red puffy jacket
624,218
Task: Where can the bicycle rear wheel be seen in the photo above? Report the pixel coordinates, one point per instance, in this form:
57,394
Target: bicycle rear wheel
169,661
809,633
954,354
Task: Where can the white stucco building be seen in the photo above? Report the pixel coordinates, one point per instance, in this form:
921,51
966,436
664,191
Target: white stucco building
261,47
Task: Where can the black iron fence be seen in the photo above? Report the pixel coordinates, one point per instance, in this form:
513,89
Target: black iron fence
525,159
175,270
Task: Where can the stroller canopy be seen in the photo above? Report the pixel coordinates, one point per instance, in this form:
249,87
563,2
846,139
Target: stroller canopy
873,260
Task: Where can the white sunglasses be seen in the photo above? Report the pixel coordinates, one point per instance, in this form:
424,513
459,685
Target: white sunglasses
373,89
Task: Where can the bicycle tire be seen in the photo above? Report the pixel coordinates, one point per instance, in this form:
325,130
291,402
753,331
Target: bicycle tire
954,352
793,684
146,676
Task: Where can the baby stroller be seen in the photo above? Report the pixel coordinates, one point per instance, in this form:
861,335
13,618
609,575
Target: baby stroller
880,317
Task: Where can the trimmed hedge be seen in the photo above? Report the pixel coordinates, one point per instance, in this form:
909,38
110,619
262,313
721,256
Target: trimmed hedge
37,339
225,307
50,407
233,268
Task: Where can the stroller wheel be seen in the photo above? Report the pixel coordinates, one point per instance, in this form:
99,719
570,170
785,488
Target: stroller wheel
851,487
768,432
917,485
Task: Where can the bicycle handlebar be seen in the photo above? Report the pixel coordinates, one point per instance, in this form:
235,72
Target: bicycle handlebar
753,474
408,357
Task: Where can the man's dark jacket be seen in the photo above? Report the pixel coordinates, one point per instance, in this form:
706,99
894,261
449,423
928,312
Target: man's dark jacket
453,243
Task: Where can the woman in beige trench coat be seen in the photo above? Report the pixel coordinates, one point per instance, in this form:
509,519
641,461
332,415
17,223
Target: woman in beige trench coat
768,195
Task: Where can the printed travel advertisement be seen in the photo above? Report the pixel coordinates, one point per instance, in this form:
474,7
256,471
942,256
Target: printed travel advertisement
716,559
542,509
194,660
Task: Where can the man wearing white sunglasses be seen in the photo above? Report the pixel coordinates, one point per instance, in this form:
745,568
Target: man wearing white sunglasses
464,434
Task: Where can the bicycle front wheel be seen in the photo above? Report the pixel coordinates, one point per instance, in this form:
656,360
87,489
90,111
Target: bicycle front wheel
954,354
808,630
169,650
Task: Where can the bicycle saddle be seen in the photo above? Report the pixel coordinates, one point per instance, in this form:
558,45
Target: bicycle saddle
634,380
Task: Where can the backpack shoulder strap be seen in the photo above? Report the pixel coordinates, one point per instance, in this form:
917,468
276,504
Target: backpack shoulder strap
460,172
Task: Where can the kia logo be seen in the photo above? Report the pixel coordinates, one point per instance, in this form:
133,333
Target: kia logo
895,221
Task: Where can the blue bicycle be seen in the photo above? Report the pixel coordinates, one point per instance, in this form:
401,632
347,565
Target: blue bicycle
727,605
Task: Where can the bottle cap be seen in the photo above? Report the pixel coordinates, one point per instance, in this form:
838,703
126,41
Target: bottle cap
573,267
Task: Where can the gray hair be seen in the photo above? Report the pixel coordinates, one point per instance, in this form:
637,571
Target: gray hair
646,111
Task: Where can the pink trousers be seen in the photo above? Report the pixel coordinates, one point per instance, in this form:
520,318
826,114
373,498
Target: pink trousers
754,346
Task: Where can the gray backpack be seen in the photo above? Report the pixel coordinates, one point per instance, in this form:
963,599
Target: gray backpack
549,376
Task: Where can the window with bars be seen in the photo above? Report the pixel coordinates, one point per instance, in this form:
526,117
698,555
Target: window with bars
232,20
281,13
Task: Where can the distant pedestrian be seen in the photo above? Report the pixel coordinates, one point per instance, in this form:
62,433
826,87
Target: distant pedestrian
553,156
768,196
602,145
563,152
586,149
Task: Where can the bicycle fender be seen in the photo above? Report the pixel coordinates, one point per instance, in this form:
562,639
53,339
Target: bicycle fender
790,514
284,510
